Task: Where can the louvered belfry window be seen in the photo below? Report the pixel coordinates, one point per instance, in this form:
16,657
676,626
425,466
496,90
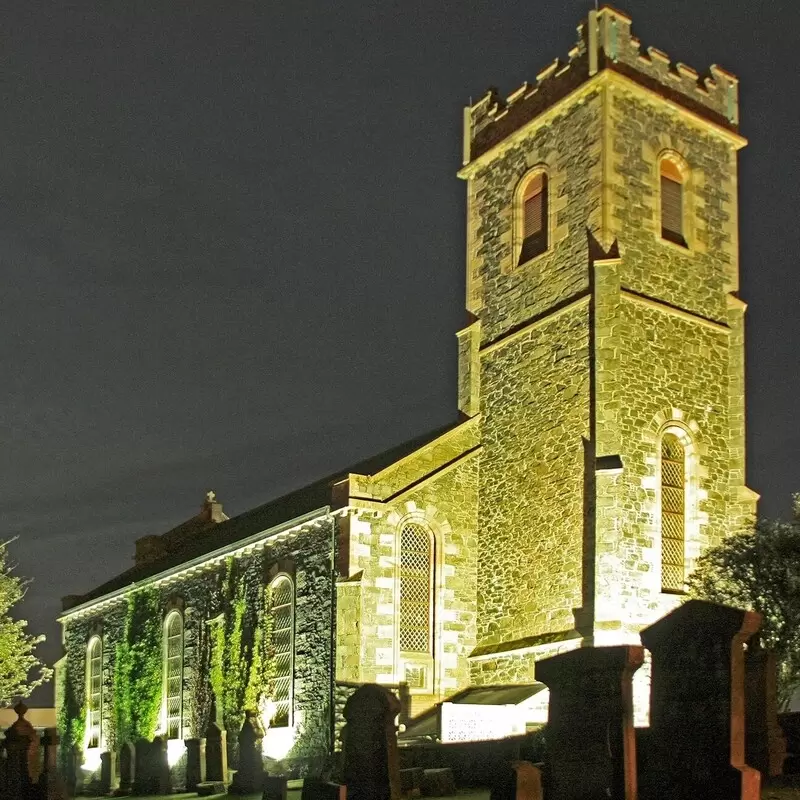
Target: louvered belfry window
416,588
282,596
173,676
672,203
94,686
534,218
673,513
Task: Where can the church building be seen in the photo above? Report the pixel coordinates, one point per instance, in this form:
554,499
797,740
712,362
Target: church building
598,449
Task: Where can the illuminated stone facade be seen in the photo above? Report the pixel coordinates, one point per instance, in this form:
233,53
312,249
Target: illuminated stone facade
553,521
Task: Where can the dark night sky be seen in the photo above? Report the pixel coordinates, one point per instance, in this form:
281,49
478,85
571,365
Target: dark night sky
232,245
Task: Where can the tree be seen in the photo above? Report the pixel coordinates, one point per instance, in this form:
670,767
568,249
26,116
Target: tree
760,570
20,670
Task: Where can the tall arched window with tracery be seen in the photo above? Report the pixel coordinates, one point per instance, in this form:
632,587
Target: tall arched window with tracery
94,692
282,647
416,602
173,675
673,513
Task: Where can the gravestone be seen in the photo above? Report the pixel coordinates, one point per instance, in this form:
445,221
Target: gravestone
697,708
529,781
152,768
105,773
216,754
195,763
127,767
51,785
275,787
371,768
22,754
249,776
765,745
316,789
590,739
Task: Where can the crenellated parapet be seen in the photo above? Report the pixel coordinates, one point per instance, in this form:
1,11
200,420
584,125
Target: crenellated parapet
605,43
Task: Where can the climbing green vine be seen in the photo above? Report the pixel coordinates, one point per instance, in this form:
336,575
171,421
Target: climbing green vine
137,673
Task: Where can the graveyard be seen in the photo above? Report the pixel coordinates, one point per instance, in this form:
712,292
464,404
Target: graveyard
713,733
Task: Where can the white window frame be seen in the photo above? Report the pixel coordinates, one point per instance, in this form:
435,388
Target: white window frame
165,716
284,577
94,641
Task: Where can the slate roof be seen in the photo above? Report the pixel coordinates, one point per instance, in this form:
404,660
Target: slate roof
283,509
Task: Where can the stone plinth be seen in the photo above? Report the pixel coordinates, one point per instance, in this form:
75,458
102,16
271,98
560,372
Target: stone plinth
591,748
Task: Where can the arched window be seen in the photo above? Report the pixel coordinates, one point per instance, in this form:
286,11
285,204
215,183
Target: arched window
282,646
416,589
673,513
94,692
533,217
173,676
672,202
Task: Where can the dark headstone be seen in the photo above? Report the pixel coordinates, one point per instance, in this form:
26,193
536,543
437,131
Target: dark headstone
529,781
249,776
51,785
764,741
195,763
275,787
210,788
438,782
152,768
411,781
591,746
371,768
216,754
22,754
697,709
314,789
127,767
105,773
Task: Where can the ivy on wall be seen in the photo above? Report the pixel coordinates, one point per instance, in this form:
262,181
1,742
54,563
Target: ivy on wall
138,668
71,721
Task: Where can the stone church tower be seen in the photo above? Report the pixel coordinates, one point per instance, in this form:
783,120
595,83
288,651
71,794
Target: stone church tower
605,358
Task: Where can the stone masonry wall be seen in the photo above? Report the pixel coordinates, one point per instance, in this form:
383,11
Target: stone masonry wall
535,413
665,356
504,295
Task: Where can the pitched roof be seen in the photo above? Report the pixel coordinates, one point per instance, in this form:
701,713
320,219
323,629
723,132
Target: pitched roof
210,537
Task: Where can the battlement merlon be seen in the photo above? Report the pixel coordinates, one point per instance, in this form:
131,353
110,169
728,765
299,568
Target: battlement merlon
605,42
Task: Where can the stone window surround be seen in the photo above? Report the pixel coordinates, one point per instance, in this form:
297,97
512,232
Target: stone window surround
282,575
687,197
171,613
683,433
518,215
426,661
95,639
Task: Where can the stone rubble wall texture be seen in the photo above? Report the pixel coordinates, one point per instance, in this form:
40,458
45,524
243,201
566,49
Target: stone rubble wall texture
534,388
200,594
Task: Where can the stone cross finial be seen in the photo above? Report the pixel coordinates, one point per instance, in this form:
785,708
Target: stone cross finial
211,496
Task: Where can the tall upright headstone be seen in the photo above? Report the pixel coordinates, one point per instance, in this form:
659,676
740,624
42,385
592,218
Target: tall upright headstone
22,754
250,775
591,746
371,767
697,709
127,767
51,784
216,754
765,745
195,763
